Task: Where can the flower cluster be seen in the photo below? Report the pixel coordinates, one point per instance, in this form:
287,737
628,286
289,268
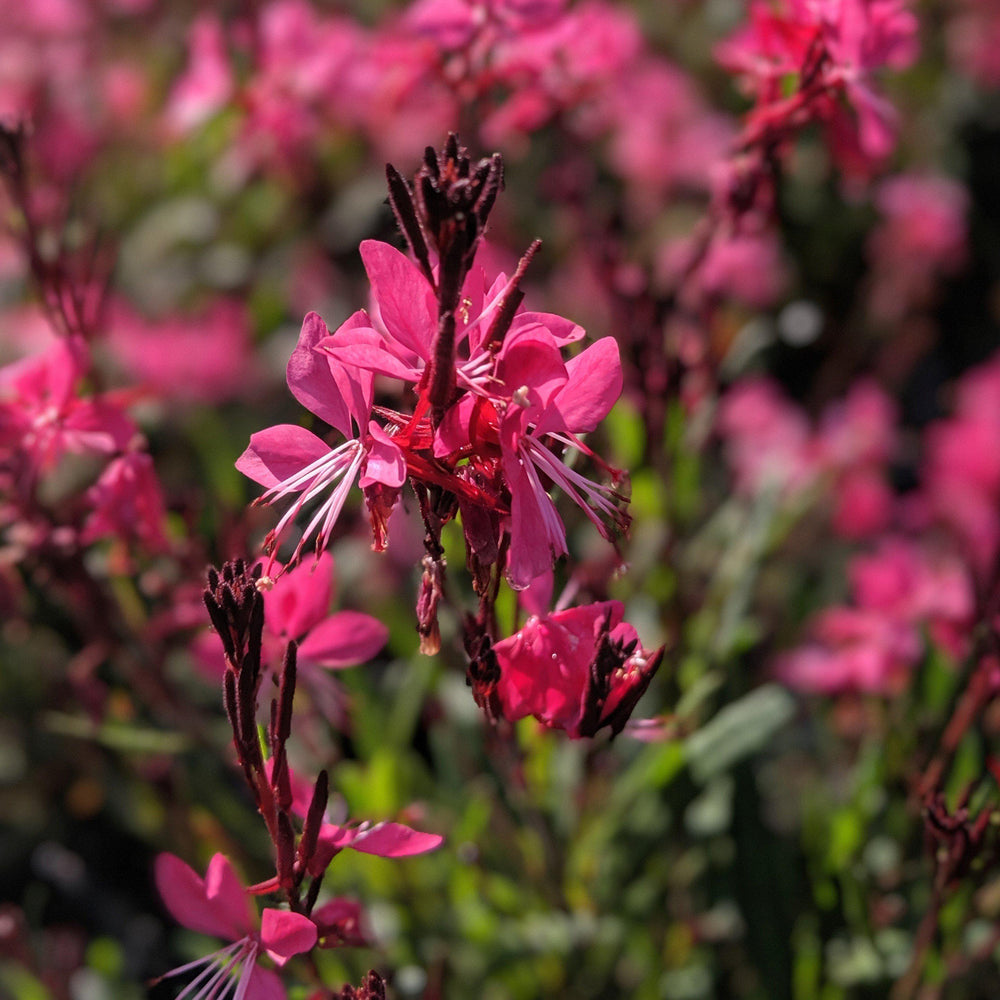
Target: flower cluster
804,63
496,412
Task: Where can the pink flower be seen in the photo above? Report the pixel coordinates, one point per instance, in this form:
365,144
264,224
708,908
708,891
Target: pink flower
833,48
852,649
218,906
767,438
297,607
921,239
288,459
206,357
386,839
42,417
207,83
560,401
128,503
576,670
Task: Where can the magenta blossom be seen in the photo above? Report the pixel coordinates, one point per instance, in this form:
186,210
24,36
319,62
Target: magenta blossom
218,906
576,670
42,417
297,607
560,401
128,504
288,459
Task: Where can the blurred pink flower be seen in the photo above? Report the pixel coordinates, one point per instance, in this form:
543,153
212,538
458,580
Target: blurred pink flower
207,84
205,357
921,239
973,36
767,438
218,906
832,50
746,267
42,417
127,504
899,590
852,649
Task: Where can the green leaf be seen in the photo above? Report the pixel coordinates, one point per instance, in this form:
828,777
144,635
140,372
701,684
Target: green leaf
738,731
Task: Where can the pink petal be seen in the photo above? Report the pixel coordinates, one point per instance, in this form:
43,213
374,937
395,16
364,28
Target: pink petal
284,934
534,365
265,985
403,296
385,463
332,838
595,383
279,452
332,391
393,840
300,598
344,639
367,349
563,331
226,894
537,534
185,895
453,431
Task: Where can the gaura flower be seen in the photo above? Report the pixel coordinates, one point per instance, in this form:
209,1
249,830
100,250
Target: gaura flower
577,670
289,459
218,906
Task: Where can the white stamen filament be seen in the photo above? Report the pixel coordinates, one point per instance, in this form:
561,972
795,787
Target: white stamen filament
572,483
217,977
343,464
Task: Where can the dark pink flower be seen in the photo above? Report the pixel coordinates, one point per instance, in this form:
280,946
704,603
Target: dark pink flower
42,417
207,83
576,670
218,905
128,504
288,459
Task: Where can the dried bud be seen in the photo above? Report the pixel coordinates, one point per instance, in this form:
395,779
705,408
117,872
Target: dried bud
431,589
483,671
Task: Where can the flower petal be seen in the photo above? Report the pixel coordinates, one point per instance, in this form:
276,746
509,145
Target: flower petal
228,897
404,299
265,985
394,840
343,640
300,598
284,934
331,390
594,385
277,453
385,463
186,896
